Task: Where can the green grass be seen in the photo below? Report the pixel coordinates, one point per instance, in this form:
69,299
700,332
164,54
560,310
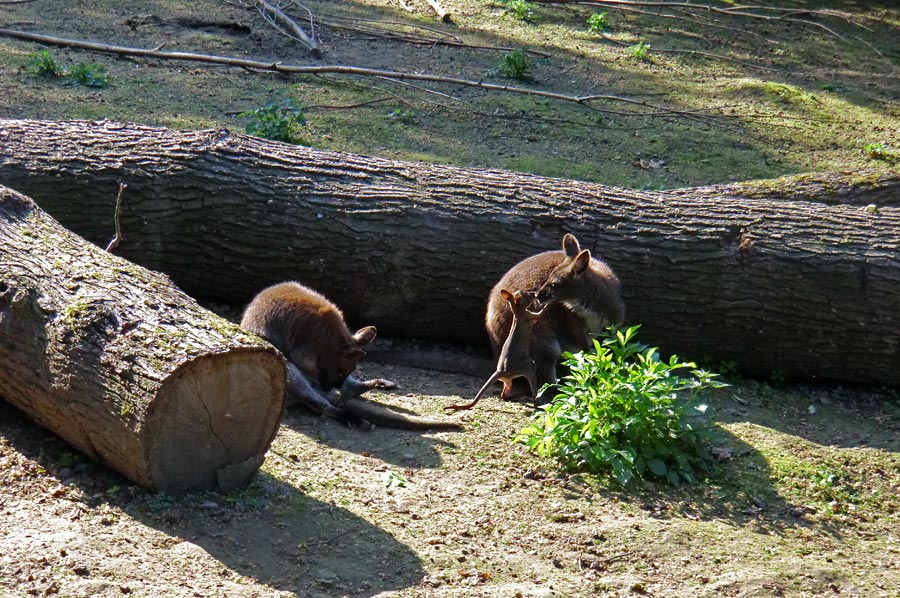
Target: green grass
805,115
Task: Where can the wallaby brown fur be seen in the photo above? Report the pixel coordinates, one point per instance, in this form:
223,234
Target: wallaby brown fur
515,359
579,296
321,353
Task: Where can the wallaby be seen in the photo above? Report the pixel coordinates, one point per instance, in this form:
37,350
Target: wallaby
588,287
515,357
584,300
321,353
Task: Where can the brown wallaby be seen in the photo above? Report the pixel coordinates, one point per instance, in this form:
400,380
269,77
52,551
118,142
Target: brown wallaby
584,300
321,353
515,357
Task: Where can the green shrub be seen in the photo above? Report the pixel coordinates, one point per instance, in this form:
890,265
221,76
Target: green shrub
597,22
88,74
276,120
621,409
521,10
43,64
640,51
878,151
516,65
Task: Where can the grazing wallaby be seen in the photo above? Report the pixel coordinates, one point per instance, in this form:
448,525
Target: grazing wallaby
515,357
321,353
583,301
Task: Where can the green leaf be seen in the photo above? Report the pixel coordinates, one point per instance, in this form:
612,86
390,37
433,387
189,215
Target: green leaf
658,467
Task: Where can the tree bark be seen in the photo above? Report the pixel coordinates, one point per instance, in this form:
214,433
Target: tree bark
794,275
124,366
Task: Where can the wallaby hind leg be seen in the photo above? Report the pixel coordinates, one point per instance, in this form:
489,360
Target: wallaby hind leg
300,391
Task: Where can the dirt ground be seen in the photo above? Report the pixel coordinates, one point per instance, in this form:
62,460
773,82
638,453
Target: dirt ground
807,504
806,501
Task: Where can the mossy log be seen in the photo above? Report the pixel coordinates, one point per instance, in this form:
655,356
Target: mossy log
124,366
798,275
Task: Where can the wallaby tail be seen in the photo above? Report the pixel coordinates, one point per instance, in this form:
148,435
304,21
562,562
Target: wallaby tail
379,415
494,377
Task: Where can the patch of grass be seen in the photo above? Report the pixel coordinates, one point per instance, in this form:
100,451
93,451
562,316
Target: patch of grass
788,94
516,65
622,408
278,120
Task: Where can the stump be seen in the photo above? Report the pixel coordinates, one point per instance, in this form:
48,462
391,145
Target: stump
124,366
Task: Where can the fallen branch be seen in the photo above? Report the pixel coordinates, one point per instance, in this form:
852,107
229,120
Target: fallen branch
439,10
650,110
284,24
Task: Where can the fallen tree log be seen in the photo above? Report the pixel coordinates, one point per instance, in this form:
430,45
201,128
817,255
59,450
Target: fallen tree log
798,275
124,366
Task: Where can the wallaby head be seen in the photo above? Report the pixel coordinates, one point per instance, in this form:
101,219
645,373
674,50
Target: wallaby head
566,281
334,367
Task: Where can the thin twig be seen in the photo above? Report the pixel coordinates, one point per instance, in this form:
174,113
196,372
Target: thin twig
405,6
115,240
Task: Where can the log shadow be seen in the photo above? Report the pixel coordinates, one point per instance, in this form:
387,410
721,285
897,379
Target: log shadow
414,449
275,534
268,531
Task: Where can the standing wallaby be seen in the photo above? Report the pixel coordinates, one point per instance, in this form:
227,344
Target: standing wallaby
515,357
321,353
581,299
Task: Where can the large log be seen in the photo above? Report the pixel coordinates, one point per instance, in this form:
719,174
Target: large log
796,275
124,366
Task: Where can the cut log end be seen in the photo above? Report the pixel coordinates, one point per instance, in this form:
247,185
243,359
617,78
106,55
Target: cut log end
207,431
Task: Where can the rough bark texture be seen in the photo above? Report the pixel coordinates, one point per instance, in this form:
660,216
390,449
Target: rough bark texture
124,366
794,275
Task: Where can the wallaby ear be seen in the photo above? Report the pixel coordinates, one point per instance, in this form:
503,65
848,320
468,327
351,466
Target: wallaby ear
507,296
582,261
570,245
364,336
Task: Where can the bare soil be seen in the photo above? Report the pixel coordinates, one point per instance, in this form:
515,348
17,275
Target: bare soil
806,499
806,503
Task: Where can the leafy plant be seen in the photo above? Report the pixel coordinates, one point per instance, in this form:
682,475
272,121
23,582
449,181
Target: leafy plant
516,65
277,120
43,64
89,74
597,22
878,151
640,50
521,10
625,410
